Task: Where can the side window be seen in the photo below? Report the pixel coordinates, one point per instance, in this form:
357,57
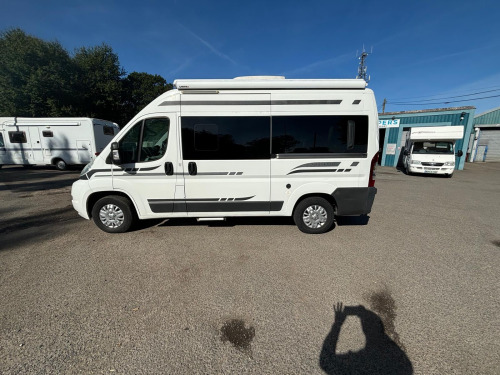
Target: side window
225,138
319,134
17,137
47,133
154,139
2,143
154,136
108,130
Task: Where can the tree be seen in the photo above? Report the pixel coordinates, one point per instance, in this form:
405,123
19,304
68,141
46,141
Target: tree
139,89
35,76
98,84
41,79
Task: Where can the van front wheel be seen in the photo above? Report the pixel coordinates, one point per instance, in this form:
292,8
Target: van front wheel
113,214
314,215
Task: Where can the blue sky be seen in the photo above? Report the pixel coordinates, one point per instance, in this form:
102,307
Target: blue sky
422,50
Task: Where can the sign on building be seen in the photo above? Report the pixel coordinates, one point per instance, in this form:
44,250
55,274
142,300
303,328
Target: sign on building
383,124
391,149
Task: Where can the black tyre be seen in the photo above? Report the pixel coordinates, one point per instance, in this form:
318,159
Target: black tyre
61,165
113,214
407,170
449,175
314,215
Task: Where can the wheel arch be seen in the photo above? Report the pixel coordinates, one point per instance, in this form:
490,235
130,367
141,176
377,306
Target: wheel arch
328,197
94,197
55,159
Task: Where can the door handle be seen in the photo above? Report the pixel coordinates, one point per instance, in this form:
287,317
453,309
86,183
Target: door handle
169,168
192,169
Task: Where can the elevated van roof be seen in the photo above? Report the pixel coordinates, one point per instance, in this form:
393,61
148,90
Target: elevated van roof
270,83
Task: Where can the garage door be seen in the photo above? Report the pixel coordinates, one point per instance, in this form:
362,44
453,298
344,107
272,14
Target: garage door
489,139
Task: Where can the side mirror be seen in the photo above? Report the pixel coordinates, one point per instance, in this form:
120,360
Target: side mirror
459,153
406,153
115,153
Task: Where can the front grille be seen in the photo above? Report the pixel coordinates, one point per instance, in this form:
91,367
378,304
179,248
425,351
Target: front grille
428,164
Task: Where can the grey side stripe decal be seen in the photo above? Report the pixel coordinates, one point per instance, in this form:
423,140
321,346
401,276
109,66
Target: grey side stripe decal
325,164
319,171
313,171
197,200
149,169
302,102
320,156
220,174
251,102
208,205
94,171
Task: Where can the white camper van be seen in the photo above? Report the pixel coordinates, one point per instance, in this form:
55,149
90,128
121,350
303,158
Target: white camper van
211,149
57,141
432,149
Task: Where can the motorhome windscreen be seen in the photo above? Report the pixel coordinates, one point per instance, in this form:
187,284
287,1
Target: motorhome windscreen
433,148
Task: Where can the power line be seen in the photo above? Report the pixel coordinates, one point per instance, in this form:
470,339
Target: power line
438,96
447,102
449,97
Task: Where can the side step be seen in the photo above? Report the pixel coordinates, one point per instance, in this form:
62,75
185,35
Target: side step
211,219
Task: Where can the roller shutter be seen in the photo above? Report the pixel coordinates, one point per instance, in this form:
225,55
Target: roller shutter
490,140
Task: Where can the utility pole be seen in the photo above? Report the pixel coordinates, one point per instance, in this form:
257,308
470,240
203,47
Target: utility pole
362,66
383,105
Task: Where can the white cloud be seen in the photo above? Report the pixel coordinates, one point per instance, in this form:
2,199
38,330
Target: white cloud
318,64
209,46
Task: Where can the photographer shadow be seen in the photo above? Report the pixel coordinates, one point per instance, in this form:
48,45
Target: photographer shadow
381,355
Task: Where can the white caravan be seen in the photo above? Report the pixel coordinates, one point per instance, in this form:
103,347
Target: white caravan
432,149
211,149
57,141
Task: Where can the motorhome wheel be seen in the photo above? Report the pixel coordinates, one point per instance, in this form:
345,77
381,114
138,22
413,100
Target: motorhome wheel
113,214
61,165
314,215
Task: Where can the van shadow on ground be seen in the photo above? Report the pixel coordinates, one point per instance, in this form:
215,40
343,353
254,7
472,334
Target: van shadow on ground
381,355
232,222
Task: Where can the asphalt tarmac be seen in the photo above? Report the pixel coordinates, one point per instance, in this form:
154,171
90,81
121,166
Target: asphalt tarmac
413,288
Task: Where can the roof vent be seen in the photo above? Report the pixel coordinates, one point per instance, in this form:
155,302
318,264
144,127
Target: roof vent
258,77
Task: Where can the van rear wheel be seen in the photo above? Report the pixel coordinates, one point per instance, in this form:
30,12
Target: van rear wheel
314,215
113,214
61,165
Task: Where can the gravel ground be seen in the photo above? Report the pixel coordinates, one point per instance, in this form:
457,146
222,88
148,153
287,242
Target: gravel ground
254,296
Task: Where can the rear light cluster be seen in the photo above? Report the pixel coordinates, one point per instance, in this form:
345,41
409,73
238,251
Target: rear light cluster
371,181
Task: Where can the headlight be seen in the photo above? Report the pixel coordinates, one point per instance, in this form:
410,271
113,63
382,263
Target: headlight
416,162
450,163
87,167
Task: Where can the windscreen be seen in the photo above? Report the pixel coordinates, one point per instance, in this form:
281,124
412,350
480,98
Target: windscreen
433,148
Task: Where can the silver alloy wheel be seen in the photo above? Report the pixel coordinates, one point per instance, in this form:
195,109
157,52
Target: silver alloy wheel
111,216
315,216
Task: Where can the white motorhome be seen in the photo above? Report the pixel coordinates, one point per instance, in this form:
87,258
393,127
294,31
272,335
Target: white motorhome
211,149
432,149
57,141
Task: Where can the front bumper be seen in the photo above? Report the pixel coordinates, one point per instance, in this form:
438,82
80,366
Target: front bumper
418,168
79,192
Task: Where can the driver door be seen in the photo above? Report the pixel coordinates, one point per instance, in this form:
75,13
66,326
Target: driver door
148,153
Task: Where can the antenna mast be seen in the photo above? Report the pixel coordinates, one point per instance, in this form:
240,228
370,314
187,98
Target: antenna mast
362,65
